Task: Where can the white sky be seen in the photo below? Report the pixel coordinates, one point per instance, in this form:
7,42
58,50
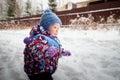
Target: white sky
45,2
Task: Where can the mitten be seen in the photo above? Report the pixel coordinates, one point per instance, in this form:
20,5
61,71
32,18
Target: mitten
52,50
27,40
65,53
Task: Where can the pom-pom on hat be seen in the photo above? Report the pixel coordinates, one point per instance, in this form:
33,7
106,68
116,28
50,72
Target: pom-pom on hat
48,18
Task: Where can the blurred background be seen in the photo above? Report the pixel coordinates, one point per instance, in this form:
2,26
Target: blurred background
78,13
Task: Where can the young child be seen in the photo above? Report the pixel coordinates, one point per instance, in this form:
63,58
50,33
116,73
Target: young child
43,49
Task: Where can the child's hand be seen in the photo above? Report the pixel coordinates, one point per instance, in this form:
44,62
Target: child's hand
66,53
52,50
27,40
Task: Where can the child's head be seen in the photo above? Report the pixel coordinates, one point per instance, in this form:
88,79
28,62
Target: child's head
54,29
50,22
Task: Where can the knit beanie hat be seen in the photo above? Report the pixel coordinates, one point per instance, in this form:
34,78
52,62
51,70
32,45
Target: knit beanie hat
48,18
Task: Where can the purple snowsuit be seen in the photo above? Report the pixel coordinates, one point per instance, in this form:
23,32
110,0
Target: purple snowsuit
42,52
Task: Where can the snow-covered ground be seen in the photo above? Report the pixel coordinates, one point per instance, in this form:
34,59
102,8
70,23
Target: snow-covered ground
95,55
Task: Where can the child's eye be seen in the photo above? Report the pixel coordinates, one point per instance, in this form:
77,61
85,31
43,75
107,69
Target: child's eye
55,27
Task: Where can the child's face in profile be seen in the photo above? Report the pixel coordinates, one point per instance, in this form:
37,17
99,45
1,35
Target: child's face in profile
54,29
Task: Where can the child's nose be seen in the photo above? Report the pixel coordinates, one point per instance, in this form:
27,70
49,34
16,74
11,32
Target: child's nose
56,30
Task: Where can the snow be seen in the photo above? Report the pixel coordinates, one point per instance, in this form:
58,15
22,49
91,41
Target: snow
95,55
